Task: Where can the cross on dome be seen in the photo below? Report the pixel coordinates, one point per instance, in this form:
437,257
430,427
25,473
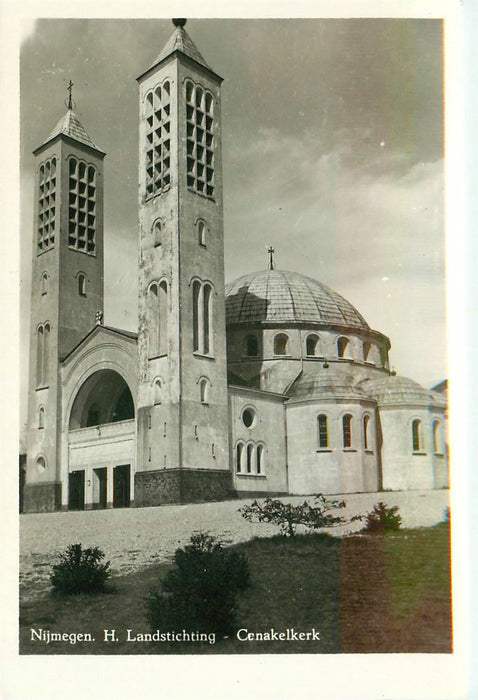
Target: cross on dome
271,252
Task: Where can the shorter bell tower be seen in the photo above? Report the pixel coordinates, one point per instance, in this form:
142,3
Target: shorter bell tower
67,288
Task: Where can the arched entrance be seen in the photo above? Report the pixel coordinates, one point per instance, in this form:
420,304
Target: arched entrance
101,440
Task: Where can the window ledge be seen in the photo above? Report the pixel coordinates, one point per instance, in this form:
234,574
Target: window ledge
44,386
288,356
369,452
324,449
439,454
202,355
419,453
254,476
349,449
156,357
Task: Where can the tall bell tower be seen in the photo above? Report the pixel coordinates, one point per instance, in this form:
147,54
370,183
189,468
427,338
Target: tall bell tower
67,289
183,444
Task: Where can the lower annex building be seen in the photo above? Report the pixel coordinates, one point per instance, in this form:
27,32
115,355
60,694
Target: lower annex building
274,384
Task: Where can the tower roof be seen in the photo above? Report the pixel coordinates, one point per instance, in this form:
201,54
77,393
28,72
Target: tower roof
180,41
70,125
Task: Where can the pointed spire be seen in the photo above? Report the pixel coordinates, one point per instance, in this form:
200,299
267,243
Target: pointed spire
71,126
181,41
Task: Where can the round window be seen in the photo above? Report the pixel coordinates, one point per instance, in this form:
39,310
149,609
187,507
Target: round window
248,416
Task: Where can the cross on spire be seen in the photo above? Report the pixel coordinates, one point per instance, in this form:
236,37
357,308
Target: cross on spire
271,252
70,100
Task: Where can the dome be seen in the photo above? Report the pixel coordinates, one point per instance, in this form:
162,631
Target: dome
278,296
399,390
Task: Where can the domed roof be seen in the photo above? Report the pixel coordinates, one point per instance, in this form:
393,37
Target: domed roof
396,390
278,296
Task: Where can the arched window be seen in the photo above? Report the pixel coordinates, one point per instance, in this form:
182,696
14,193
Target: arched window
323,431
417,435
202,317
41,464
40,348
82,284
153,319
436,437
251,346
196,314
347,430
41,418
157,229
239,453
343,348
201,225
249,457
43,354
207,317
158,318
366,351
157,391
157,139
204,385
44,284
260,459
46,206
366,432
281,342
163,318
200,140
312,345
82,206
93,417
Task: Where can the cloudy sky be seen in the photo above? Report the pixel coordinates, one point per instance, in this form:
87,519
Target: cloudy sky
332,147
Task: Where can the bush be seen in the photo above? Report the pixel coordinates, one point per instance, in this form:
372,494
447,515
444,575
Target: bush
288,516
200,593
383,519
80,571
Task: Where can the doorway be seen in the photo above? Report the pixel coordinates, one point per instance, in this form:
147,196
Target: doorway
76,490
99,487
121,486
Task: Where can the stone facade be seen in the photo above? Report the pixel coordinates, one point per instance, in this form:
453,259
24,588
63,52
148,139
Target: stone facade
273,385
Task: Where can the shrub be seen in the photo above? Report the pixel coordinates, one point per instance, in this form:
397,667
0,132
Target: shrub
80,571
382,518
199,594
288,516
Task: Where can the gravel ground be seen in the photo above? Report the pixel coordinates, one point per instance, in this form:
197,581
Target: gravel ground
134,538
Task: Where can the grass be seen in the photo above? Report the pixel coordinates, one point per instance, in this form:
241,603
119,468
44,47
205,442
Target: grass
375,593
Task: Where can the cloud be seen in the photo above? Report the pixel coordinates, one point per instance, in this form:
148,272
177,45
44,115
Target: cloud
350,223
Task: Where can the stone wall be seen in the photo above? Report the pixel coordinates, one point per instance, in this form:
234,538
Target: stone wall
42,498
154,488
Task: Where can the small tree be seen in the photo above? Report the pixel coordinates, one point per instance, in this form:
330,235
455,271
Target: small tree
200,593
288,516
383,519
80,571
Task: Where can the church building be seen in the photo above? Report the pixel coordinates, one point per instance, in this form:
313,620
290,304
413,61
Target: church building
274,384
